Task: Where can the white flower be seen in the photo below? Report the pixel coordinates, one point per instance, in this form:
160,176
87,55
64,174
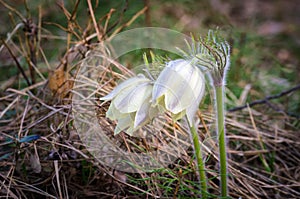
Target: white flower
131,105
179,89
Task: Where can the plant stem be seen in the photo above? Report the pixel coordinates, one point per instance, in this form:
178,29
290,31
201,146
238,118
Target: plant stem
222,139
200,162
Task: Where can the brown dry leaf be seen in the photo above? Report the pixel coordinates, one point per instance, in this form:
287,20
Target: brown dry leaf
56,79
59,83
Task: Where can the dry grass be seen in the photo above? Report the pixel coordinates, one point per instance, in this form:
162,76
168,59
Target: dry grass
264,145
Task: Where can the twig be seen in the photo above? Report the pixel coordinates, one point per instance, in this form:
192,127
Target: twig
147,13
94,21
57,178
12,9
119,20
108,16
31,31
8,107
142,11
266,100
11,34
259,137
17,62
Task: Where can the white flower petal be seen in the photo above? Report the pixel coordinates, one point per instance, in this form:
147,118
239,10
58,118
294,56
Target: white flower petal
191,111
179,115
161,84
130,131
166,85
198,85
142,115
133,99
145,114
181,95
113,113
177,64
131,82
123,124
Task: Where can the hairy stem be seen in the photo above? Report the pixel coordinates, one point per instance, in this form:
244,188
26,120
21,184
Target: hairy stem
222,139
200,162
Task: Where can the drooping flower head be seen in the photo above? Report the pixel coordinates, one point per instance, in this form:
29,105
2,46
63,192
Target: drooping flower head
130,104
179,89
